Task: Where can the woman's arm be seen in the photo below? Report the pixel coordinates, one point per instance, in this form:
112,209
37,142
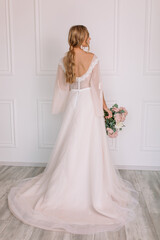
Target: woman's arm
106,108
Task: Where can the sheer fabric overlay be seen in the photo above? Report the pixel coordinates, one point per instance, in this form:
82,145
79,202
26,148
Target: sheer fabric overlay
79,191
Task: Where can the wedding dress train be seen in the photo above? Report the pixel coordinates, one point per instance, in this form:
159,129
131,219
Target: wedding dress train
79,191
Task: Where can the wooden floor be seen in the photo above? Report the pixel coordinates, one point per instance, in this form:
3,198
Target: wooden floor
146,226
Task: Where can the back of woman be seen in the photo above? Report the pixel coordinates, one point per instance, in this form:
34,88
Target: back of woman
79,191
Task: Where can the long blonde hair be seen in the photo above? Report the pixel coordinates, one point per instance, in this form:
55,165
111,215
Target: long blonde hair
76,37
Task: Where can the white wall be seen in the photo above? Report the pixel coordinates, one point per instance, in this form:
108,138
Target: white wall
125,35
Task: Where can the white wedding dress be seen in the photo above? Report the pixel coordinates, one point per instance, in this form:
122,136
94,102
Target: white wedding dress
79,191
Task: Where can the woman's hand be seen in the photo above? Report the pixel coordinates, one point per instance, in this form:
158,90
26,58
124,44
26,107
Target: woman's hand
109,112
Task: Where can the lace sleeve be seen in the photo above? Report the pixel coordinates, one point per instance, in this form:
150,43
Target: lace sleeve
97,90
61,91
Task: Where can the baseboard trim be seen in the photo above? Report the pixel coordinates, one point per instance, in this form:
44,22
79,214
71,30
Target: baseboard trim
40,164
135,167
25,164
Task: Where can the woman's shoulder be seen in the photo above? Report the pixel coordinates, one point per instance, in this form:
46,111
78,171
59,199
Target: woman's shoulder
85,53
92,55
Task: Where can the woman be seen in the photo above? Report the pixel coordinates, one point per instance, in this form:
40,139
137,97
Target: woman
79,191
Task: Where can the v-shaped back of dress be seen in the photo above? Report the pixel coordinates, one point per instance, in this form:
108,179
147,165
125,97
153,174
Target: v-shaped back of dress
83,81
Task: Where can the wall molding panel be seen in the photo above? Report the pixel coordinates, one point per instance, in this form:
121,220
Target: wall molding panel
150,140
7,124
149,70
6,40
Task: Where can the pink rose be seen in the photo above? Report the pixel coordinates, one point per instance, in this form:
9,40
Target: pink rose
117,117
113,135
110,131
123,117
124,109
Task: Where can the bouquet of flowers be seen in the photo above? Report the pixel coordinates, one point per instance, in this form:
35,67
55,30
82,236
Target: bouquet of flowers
115,123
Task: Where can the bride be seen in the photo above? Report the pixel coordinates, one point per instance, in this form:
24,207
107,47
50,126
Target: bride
79,191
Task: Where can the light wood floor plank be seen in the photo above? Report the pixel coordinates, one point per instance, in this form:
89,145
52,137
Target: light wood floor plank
118,235
82,237
3,225
3,168
5,213
150,186
142,227
15,176
9,172
16,230
47,235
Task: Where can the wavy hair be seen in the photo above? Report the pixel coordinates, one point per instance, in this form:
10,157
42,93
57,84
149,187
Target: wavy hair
76,37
